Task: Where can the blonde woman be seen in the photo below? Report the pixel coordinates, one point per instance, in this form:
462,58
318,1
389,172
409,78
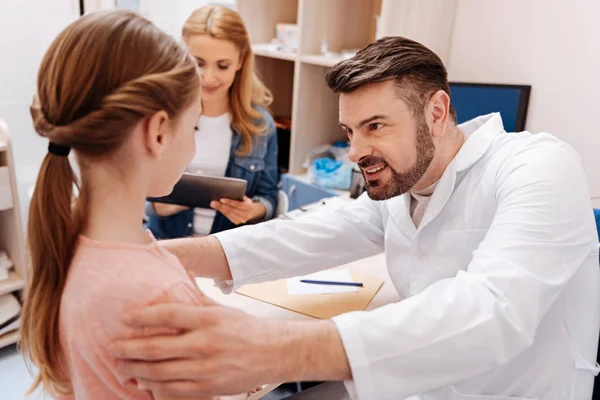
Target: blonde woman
236,135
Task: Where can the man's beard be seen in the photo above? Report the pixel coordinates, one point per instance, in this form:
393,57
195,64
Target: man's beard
402,182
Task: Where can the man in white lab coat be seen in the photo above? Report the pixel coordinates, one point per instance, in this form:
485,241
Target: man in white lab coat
488,236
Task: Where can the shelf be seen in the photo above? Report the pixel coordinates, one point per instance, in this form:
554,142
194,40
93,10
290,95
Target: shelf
9,338
13,284
320,60
266,50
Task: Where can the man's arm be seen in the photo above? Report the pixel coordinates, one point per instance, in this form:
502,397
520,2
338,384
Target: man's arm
203,256
312,351
281,248
225,351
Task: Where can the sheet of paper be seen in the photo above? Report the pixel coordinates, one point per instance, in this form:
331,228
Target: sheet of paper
295,287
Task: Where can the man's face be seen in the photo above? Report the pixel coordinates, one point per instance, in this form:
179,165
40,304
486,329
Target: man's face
392,148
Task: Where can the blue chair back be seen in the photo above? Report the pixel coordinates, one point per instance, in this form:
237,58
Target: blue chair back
597,216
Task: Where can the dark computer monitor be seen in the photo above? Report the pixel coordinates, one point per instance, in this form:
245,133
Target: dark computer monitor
474,99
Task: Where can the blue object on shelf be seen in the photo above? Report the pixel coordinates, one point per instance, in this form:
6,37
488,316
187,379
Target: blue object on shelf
341,144
326,165
331,174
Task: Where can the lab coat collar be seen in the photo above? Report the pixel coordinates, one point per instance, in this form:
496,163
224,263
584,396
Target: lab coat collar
481,132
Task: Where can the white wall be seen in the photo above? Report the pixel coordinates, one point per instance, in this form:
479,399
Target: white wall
170,15
27,27
429,22
553,45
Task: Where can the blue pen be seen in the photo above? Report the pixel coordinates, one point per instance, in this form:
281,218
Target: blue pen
331,283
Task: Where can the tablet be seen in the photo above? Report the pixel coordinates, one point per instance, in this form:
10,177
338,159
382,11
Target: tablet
194,190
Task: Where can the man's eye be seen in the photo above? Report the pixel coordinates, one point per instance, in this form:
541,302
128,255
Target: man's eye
374,126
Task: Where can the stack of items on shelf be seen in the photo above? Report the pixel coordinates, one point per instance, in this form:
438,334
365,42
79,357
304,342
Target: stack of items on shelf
339,56
10,313
5,265
286,40
287,37
10,309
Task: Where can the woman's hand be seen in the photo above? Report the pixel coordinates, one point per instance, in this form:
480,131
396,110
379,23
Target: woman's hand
166,210
240,212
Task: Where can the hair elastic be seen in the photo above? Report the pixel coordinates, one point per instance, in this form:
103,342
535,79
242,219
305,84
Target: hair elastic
58,150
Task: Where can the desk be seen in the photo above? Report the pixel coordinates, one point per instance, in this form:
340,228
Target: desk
374,266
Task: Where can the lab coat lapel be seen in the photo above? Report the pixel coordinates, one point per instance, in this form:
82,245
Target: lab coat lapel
399,208
481,132
441,194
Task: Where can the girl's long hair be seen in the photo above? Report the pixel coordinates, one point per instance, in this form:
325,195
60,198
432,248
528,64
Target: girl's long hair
101,76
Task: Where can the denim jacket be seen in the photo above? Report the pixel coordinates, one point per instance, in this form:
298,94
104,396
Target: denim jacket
258,168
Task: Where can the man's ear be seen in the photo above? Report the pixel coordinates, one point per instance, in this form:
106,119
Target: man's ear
438,112
155,133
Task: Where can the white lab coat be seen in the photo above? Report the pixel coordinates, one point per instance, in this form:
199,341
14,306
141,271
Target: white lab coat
501,280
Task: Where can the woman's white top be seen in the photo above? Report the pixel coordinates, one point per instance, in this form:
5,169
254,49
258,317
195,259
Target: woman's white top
213,148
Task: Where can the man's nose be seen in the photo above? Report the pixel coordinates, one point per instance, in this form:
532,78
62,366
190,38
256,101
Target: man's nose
359,148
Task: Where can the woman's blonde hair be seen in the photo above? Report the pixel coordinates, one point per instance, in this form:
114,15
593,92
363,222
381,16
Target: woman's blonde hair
101,76
247,91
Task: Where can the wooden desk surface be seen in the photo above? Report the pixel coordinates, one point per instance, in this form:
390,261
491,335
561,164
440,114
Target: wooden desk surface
374,266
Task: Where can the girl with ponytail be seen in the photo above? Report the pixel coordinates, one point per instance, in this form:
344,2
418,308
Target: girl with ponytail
125,99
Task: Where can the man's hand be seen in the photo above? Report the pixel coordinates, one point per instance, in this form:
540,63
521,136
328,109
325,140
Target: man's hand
224,351
221,351
240,212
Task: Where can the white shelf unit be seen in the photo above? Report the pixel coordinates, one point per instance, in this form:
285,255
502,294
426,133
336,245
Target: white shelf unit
297,80
11,230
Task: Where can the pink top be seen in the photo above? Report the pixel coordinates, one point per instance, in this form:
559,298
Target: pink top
106,279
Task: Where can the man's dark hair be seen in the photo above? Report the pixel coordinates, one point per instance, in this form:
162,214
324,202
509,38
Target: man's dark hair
418,71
